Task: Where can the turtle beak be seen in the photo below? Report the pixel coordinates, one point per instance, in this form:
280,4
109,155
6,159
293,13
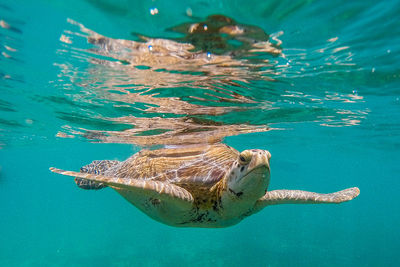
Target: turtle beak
259,161
262,159
268,156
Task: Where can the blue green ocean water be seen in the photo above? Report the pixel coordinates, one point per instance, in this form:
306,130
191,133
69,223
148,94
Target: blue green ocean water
330,97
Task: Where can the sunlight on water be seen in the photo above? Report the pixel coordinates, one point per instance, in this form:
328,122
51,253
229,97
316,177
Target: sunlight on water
203,87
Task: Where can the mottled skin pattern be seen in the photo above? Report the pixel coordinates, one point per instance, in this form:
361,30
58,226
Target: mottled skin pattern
197,186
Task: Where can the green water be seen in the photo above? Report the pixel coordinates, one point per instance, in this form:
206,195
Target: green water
331,98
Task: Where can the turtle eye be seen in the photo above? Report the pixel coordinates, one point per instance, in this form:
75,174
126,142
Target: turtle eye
244,158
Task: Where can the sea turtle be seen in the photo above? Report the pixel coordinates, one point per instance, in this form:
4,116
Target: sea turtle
197,186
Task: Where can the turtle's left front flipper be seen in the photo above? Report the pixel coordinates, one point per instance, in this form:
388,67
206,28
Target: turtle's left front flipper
148,188
276,197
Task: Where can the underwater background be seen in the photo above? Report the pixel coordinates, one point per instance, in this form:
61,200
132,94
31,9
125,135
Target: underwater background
317,83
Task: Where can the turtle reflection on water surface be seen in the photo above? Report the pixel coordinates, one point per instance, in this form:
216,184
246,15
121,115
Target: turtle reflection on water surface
197,186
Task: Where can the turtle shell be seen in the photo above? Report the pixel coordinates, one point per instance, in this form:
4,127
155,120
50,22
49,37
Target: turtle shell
198,165
194,168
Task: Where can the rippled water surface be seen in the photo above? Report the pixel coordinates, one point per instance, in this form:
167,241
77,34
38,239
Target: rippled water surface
314,82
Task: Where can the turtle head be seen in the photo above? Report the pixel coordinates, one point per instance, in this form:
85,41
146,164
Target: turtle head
250,175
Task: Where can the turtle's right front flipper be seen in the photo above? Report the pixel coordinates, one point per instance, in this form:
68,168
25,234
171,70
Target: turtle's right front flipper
96,167
276,197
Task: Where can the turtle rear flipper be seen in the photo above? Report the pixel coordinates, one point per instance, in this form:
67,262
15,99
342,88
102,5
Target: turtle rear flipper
96,167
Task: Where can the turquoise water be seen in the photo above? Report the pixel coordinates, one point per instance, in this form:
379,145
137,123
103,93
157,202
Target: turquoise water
326,104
